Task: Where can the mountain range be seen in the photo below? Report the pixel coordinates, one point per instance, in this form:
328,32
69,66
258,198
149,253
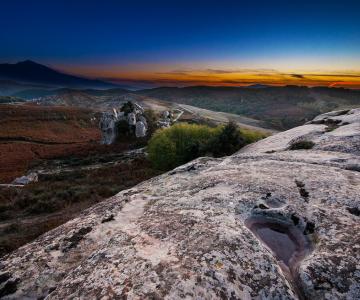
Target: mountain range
32,73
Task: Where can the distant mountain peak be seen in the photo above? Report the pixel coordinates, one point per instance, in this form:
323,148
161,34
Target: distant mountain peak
29,71
27,62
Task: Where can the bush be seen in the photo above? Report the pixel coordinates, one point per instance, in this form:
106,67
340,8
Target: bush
227,142
252,136
162,151
178,144
174,146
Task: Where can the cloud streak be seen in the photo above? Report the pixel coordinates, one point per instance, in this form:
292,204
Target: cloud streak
300,76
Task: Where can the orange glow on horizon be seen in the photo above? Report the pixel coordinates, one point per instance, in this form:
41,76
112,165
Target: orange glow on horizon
226,77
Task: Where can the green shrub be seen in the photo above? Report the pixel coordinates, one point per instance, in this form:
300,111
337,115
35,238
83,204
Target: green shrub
252,136
228,141
162,151
181,143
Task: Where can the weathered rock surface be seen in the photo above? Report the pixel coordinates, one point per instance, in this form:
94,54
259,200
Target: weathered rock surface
26,179
107,125
185,234
140,129
109,122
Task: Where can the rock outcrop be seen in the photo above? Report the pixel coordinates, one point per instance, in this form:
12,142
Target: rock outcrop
265,223
132,116
26,179
107,126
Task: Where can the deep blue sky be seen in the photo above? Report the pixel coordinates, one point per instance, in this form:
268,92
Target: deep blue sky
176,34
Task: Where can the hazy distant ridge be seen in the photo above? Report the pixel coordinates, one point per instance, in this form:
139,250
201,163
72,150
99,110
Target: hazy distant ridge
33,73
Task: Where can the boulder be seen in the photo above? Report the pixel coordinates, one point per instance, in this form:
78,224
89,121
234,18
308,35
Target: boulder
265,223
131,119
107,125
143,119
140,129
26,179
166,114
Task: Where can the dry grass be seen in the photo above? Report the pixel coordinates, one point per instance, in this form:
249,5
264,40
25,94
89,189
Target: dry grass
48,124
56,199
29,132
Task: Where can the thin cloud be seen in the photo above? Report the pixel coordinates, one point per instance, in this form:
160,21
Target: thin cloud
221,71
300,76
174,73
337,75
256,71
218,71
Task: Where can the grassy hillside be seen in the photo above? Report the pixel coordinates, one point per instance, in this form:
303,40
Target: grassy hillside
30,132
57,198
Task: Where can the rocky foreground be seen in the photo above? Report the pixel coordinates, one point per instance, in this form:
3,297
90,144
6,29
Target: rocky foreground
265,223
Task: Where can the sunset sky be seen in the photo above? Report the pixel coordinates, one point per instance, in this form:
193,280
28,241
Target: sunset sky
183,43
